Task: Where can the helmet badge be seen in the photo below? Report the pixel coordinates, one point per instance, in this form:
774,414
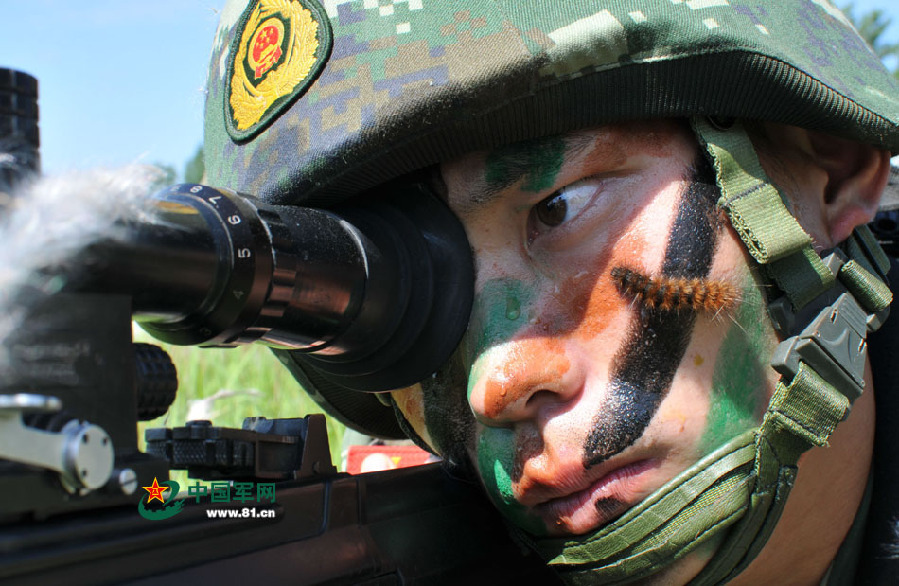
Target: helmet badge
279,49
266,47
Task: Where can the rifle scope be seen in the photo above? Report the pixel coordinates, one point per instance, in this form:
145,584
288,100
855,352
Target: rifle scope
375,296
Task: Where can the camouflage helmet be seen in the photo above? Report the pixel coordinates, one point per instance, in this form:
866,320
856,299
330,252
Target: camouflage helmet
309,103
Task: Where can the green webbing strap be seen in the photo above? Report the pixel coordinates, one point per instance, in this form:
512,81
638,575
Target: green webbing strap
744,483
864,274
649,535
867,246
758,214
871,293
801,415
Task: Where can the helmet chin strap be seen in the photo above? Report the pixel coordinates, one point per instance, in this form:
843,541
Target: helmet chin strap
736,494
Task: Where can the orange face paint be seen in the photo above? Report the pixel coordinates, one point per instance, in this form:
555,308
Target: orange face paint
517,379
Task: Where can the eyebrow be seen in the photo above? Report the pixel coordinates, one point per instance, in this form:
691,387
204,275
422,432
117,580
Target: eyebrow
524,161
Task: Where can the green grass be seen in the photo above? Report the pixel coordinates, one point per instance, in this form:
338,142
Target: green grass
257,385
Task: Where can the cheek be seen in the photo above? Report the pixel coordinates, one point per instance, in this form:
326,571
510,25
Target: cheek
551,332
410,402
725,380
496,462
523,329
742,380
501,309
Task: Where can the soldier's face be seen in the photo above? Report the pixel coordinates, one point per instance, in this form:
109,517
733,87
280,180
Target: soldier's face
618,333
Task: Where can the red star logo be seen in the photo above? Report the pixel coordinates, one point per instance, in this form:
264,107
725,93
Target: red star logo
155,491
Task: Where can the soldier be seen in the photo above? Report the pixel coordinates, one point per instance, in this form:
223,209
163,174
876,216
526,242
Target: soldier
665,203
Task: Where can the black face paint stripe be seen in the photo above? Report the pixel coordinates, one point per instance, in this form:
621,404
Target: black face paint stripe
644,368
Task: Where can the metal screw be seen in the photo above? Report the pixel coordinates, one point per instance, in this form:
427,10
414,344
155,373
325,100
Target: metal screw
127,481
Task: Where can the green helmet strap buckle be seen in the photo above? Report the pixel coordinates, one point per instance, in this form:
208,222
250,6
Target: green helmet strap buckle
833,344
833,329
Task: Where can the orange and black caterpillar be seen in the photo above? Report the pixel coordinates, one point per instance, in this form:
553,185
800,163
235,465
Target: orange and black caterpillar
674,293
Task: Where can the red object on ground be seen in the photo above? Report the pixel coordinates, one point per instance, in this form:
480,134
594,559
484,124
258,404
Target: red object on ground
362,459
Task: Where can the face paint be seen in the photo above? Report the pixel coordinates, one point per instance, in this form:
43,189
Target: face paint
548,318
449,421
513,308
496,315
537,161
655,346
646,367
610,508
496,462
739,381
498,394
408,405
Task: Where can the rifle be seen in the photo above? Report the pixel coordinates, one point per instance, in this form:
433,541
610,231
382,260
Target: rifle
209,268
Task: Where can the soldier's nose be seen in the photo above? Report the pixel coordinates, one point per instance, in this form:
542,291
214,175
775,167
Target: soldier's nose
520,379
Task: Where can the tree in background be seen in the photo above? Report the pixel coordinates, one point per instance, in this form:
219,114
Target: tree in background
167,176
194,169
871,26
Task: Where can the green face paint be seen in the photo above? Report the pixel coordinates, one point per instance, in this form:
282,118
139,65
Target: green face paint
496,316
739,380
537,161
496,449
513,308
500,310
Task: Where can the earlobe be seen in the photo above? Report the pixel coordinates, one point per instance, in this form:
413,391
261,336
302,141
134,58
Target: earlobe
856,176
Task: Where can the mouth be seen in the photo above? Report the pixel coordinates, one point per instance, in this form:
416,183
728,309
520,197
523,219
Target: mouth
596,502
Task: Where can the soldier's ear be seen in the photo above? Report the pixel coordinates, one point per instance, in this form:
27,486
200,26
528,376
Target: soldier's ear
857,174
835,183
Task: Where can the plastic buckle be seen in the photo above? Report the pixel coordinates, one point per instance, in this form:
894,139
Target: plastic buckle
787,320
833,345
833,341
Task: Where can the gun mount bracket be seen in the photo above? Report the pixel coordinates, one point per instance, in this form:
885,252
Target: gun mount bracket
272,449
82,453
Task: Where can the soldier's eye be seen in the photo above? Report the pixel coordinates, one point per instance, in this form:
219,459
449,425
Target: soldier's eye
552,210
564,204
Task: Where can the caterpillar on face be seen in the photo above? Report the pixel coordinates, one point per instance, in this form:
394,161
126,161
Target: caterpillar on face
674,293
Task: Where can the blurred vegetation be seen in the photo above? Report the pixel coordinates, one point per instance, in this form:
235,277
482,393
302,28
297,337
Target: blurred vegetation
872,26
194,169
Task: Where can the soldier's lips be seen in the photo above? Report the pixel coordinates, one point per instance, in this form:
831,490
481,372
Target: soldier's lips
603,495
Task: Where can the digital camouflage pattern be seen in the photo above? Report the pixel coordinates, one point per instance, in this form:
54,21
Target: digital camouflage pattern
409,83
